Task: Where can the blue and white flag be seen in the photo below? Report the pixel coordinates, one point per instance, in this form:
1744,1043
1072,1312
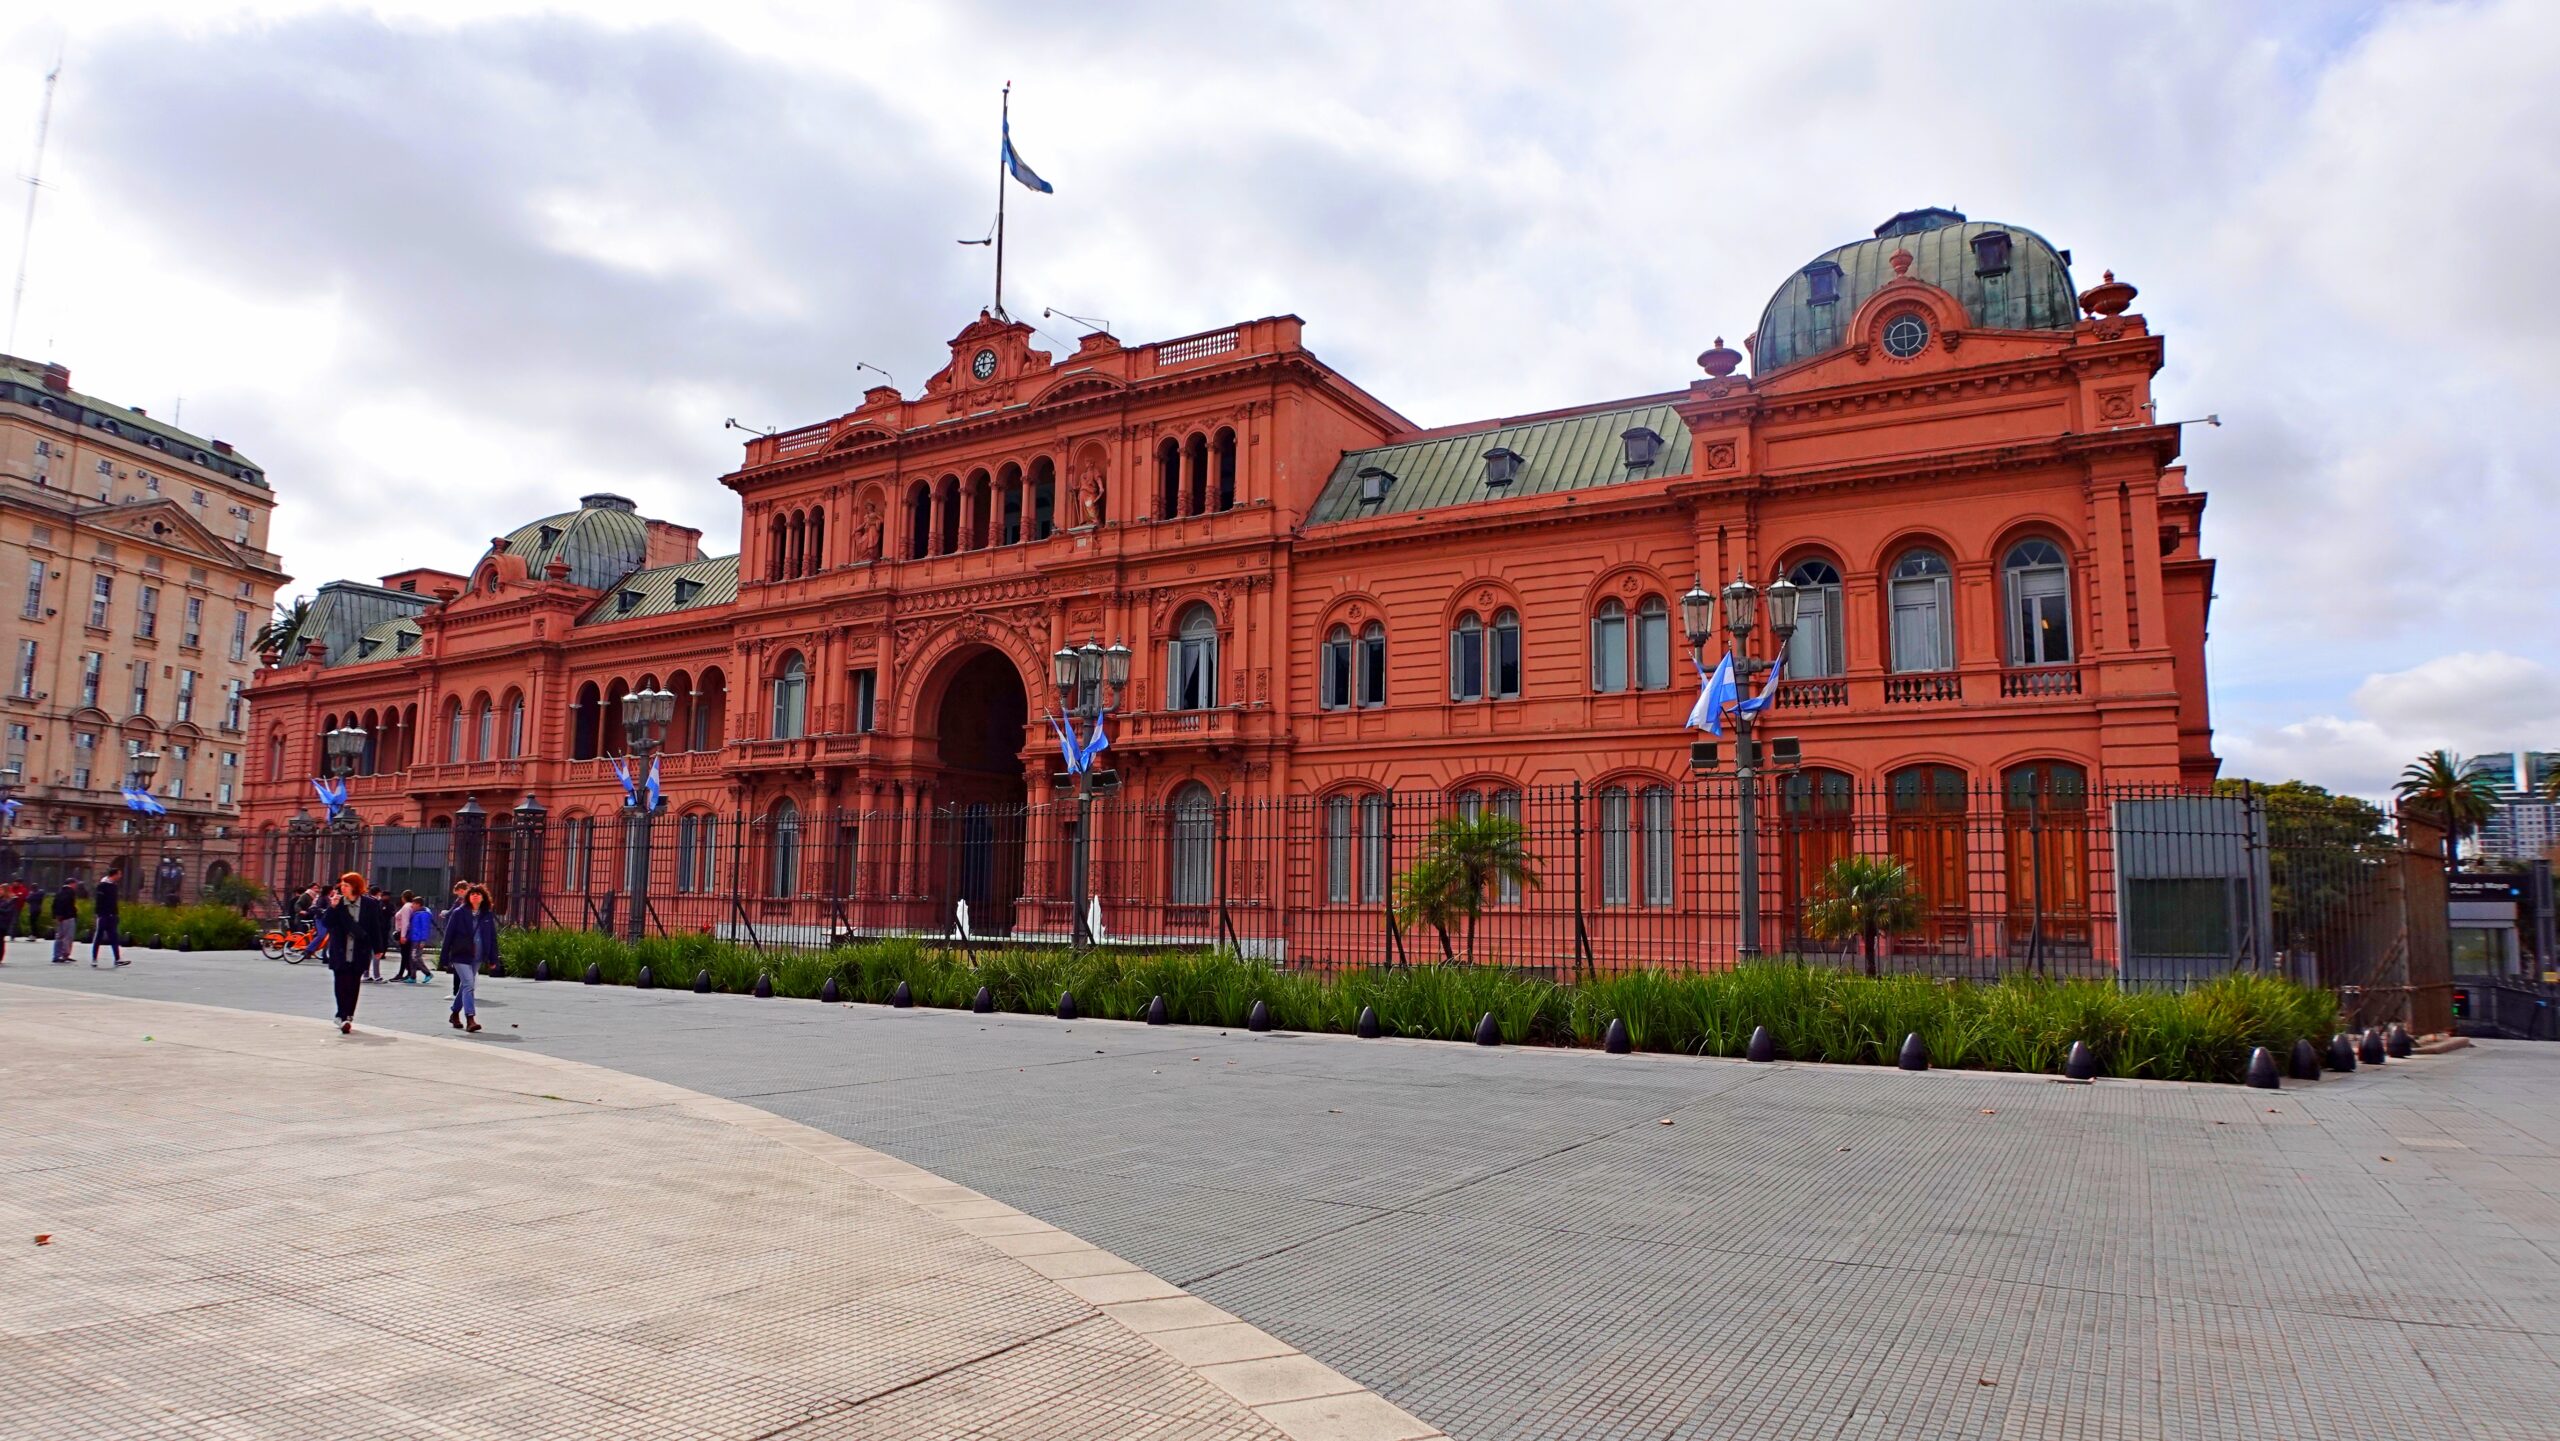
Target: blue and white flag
333,796
1066,741
1014,164
141,800
1096,744
8,810
1715,692
1768,688
655,798
630,788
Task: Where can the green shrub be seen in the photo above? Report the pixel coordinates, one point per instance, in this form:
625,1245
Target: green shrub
1817,1014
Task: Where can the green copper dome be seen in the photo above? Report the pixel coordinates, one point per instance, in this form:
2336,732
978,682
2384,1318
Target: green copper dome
2006,276
603,540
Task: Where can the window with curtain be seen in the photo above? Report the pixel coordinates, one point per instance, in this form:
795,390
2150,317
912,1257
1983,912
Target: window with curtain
1373,849
791,699
1616,838
1333,670
1657,839
1193,684
1922,613
1338,878
1373,664
2039,586
1466,658
1609,647
1653,644
1814,650
1194,818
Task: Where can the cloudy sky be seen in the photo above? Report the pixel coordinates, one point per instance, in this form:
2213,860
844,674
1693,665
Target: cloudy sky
443,266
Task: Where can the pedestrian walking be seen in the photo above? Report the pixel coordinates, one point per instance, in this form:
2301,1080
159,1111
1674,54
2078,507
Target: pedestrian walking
108,932
470,942
413,924
356,924
13,899
66,920
382,946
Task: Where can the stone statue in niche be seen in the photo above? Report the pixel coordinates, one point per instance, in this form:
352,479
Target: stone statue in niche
1089,494
866,534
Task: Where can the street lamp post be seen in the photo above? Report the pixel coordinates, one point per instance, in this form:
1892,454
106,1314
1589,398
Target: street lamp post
1741,618
341,754
1089,679
645,717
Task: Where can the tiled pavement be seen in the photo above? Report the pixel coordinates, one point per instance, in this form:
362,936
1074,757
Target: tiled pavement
254,1227
1511,1244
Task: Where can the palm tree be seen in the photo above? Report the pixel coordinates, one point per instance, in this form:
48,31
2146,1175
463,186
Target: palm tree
1865,897
273,635
2459,793
1464,860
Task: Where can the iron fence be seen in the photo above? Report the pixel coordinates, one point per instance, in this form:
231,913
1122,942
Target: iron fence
160,869
2037,875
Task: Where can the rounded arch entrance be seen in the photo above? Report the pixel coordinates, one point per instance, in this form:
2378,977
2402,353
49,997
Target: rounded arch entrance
975,709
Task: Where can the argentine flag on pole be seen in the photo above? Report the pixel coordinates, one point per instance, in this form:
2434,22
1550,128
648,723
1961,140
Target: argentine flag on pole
1714,694
1015,165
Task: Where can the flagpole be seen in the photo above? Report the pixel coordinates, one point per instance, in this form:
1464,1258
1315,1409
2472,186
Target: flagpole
1001,157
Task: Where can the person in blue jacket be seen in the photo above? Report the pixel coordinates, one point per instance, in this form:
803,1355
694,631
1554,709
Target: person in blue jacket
470,942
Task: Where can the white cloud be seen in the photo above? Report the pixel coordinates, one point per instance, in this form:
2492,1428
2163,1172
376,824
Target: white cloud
2470,702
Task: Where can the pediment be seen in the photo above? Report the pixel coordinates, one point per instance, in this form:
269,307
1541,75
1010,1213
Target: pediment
165,522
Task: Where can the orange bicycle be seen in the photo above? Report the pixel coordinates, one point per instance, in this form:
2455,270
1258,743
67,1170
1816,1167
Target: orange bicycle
289,944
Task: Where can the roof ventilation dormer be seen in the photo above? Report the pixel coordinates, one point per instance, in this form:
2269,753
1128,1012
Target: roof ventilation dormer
550,537
625,602
1374,482
1991,253
1501,467
1822,282
1644,447
686,590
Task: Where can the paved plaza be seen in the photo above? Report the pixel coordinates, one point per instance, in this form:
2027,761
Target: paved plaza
1514,1244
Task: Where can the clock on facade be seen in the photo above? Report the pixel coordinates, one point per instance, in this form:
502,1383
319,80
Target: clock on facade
983,365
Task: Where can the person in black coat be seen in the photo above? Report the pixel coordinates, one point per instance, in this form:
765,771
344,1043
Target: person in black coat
470,942
358,928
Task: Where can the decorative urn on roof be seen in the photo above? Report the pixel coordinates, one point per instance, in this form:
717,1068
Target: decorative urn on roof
1720,361
2108,298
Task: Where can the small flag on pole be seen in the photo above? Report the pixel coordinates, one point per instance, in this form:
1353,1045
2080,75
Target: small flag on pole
1018,168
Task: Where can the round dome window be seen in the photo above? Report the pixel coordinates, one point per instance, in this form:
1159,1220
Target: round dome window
1905,336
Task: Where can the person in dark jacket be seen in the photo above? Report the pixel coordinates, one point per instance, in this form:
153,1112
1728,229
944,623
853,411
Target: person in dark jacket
357,924
110,922
13,899
66,920
470,942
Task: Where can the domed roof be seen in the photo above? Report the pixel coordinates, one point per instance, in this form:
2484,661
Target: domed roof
603,540
2006,276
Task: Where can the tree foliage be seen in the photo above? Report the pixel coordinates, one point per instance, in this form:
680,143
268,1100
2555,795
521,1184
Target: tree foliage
2460,793
1465,860
1865,897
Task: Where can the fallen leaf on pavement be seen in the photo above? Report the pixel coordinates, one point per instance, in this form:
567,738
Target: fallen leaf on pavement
45,1239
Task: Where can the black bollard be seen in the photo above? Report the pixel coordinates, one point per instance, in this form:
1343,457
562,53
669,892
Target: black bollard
1368,1027
2369,1050
1157,1014
984,1003
1615,1040
2306,1060
902,998
542,970
647,980
1066,1005
764,985
1259,1018
2399,1045
702,983
2262,1071
831,992
595,974
1915,1054
2080,1063
2342,1052
1487,1033
1763,1047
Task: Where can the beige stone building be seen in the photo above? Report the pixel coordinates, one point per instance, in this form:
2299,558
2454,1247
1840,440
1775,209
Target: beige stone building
134,578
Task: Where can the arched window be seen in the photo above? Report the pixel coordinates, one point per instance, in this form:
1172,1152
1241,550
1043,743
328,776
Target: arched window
1009,498
1503,802
790,699
817,542
1923,637
1636,859
777,548
1609,647
1168,479
1817,815
610,739
1223,460
1044,498
919,521
371,756
798,565
1814,650
1355,849
453,732
585,724
782,874
1192,682
1925,806
485,733
515,724
2045,817
1502,667
946,526
1195,491
697,853
1466,657
1653,644
710,711
974,524
275,755
1334,671
1194,828
1373,664
2039,586
577,849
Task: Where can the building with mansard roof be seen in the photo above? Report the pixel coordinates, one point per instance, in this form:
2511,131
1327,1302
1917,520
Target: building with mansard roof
1950,452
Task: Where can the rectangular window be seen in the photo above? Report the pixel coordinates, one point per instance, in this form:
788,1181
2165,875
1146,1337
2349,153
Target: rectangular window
146,612
102,594
35,587
1616,835
1373,849
186,695
141,690
1337,850
193,636
1919,625
84,754
1506,657
1609,648
239,635
1334,677
1653,646
866,684
1814,650
234,707
1373,666
1657,846
91,663
1012,514
1466,660
26,669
